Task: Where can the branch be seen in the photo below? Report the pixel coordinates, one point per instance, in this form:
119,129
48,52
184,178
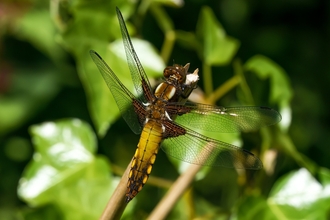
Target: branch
176,191
117,204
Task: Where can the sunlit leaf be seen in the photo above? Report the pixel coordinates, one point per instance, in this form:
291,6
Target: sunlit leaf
172,3
299,195
65,172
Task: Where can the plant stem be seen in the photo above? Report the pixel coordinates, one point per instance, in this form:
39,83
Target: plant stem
55,14
117,204
168,45
175,192
223,89
289,147
167,26
207,77
238,70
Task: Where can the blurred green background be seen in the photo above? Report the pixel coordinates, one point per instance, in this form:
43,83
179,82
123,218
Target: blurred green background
63,144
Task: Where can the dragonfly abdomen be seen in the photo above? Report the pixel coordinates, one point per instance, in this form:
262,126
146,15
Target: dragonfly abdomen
144,158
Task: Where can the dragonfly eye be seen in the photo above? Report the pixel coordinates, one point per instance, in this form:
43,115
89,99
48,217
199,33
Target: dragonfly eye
167,72
176,72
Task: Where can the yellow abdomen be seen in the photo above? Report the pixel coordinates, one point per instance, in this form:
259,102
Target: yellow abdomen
144,158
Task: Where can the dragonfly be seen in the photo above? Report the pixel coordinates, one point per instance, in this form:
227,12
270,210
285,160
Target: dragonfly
167,121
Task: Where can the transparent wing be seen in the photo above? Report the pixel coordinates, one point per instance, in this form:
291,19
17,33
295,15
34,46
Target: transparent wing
124,98
198,149
222,119
139,77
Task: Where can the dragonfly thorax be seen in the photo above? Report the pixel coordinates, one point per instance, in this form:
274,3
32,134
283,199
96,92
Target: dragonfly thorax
156,110
165,91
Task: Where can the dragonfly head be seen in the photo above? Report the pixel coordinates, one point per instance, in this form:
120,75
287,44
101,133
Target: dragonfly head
176,73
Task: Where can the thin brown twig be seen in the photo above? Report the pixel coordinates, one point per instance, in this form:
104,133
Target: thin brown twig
117,204
175,192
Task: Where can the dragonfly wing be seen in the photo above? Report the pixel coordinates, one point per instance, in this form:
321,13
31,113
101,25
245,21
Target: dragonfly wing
139,77
195,148
222,119
124,98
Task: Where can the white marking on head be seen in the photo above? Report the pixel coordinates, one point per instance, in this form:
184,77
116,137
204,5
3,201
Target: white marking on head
192,78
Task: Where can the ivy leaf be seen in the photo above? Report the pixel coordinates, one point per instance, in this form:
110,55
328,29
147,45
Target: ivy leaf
280,89
218,47
297,195
65,172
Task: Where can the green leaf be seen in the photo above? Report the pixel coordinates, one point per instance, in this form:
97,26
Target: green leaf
148,56
79,38
188,40
254,207
25,100
206,208
281,91
180,210
324,176
218,47
65,172
299,195
102,105
38,21
280,88
49,212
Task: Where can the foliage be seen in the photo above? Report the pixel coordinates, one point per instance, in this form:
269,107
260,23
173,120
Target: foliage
48,75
